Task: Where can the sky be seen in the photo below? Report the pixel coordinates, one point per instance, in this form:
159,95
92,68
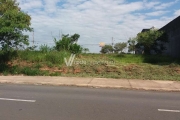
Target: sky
96,20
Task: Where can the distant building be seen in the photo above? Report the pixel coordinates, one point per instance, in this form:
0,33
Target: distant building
173,31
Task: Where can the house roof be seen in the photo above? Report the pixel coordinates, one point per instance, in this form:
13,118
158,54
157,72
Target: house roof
173,25
144,30
152,28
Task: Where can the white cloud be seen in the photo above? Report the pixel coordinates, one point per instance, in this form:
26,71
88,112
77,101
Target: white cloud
166,5
151,4
156,13
95,20
26,4
177,13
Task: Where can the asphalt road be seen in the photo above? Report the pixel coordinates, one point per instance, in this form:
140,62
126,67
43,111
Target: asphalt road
25,102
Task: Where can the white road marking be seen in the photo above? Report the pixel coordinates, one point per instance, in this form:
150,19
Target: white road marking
165,110
19,100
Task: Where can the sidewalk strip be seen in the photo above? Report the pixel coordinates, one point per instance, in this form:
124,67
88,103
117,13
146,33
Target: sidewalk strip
18,100
165,110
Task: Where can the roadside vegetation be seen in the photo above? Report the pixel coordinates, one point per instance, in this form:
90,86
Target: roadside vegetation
18,58
148,67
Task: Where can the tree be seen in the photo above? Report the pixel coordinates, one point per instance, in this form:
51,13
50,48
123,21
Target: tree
159,46
119,47
13,22
148,38
68,43
75,48
132,43
107,49
63,44
85,50
74,38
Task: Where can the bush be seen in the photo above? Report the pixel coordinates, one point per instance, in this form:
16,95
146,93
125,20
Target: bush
45,48
75,49
30,71
3,67
68,43
6,56
37,66
15,70
56,57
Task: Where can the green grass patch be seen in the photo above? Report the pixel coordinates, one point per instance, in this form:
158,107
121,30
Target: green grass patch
36,56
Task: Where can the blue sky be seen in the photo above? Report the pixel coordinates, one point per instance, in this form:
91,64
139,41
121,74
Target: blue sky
96,20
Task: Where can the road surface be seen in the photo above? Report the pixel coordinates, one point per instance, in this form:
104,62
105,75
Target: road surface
26,102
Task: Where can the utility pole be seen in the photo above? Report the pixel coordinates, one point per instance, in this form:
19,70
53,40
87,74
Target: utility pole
33,38
52,35
113,44
59,35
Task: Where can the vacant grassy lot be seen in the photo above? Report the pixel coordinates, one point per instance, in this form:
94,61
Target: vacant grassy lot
93,65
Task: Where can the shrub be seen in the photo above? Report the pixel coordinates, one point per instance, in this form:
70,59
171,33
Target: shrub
30,71
56,57
6,56
45,48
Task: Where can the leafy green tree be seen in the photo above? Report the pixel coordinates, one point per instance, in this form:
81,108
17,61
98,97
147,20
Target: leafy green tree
13,22
74,38
119,47
63,44
107,49
159,45
148,38
132,45
68,43
75,48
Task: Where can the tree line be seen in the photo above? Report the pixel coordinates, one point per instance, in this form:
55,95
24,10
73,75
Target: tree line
152,40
